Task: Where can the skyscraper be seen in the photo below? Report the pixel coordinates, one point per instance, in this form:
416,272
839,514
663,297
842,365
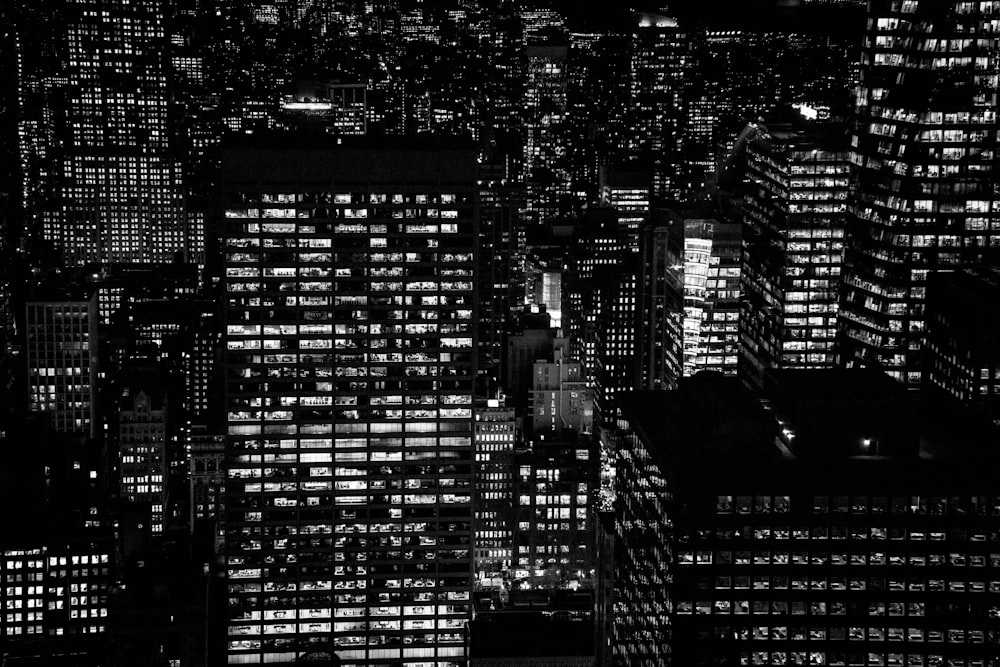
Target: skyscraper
545,109
923,197
350,283
112,187
660,302
659,62
836,523
712,252
494,491
62,362
794,247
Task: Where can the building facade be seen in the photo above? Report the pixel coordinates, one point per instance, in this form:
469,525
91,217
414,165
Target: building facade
62,362
794,251
922,198
350,299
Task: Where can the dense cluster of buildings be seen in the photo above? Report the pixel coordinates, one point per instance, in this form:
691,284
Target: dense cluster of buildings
381,334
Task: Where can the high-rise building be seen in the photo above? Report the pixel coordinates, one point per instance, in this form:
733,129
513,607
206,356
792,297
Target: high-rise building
835,523
660,302
111,187
598,241
712,263
350,300
501,269
923,197
560,398
556,483
963,337
794,247
493,491
207,476
629,191
142,449
659,62
615,338
62,359
545,164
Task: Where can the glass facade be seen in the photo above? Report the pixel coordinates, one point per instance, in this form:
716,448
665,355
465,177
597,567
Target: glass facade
923,196
350,363
794,249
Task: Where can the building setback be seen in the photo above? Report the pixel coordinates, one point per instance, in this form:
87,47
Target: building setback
350,283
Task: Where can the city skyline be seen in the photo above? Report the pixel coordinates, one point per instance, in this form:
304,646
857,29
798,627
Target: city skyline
467,333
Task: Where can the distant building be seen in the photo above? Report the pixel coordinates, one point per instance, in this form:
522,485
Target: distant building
560,398
795,215
545,108
659,58
556,486
335,108
62,359
630,192
836,522
493,492
660,302
963,337
142,449
535,340
712,264
207,474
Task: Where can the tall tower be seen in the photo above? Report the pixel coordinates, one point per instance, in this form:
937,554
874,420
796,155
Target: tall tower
924,195
95,101
794,250
659,60
350,299
545,109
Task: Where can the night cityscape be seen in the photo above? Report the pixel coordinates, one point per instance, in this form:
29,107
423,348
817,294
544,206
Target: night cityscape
499,333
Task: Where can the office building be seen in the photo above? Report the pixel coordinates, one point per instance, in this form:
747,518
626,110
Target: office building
712,264
555,491
545,164
963,337
57,552
560,398
794,247
335,108
924,199
142,450
62,359
615,338
533,339
659,62
350,289
207,476
109,185
598,241
660,301
493,491
835,521
501,269
629,191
